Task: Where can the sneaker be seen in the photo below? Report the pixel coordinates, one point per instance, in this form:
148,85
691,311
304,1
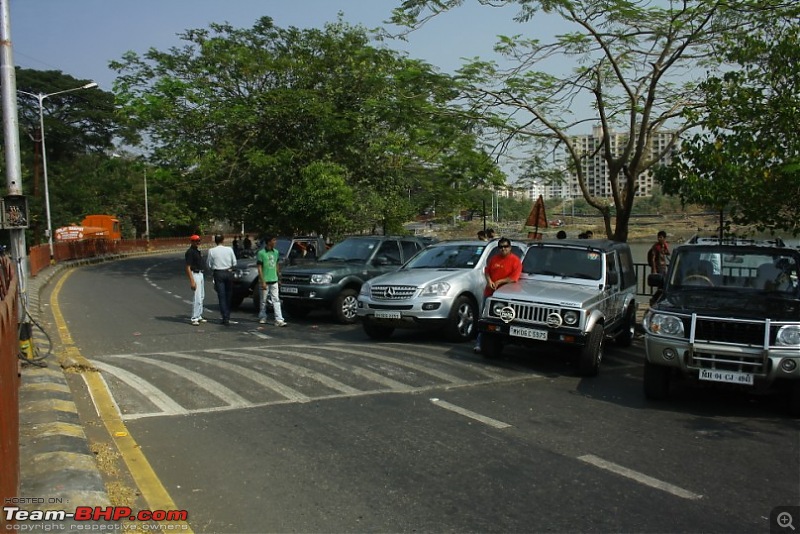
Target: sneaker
203,320
263,320
476,349
232,322
195,322
281,323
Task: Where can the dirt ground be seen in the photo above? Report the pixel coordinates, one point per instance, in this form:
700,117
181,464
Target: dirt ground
679,227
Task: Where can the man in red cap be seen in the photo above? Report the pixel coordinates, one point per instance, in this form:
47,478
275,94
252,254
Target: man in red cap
194,270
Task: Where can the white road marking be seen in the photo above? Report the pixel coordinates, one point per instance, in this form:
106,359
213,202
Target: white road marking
468,413
267,382
296,369
639,477
402,363
153,394
212,386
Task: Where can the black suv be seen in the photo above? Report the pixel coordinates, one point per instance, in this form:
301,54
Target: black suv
729,314
334,281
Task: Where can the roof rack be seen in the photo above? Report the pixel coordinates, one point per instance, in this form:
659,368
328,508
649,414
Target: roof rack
733,240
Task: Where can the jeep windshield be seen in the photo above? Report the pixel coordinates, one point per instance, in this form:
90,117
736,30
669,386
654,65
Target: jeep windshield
351,250
564,262
735,268
447,257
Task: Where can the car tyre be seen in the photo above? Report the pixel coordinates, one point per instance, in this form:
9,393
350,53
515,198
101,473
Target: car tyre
592,353
656,381
463,318
491,345
625,337
376,331
344,306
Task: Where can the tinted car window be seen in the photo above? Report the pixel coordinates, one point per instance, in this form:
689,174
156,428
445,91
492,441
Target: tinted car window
391,251
560,261
351,249
448,257
409,249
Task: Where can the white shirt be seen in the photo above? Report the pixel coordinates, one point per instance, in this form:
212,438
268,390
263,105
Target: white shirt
221,258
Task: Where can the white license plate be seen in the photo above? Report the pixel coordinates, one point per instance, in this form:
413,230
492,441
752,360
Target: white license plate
288,289
383,314
730,377
529,333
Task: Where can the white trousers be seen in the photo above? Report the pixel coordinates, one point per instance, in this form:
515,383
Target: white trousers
199,296
270,294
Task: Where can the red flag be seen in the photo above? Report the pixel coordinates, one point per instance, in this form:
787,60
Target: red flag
537,217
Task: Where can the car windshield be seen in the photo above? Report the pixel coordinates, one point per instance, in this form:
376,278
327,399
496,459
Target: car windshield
564,262
351,250
447,257
737,269
283,245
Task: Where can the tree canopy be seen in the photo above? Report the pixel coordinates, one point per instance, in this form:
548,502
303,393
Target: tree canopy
80,127
745,160
294,130
638,64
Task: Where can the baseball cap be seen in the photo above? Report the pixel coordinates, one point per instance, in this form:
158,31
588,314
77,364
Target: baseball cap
195,237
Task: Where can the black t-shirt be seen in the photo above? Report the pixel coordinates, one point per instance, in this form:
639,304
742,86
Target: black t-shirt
194,259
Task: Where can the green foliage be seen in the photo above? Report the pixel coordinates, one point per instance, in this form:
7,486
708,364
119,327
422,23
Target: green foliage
636,64
301,130
746,159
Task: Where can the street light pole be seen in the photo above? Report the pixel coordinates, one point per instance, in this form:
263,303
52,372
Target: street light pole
40,98
146,212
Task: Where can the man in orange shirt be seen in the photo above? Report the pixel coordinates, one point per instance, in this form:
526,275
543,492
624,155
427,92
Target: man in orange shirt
501,269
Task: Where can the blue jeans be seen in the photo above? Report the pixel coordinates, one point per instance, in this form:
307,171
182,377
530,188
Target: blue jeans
223,283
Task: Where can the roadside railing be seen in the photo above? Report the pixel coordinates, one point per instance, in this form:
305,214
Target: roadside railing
9,382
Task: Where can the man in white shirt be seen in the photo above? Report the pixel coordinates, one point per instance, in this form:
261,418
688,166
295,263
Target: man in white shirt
221,261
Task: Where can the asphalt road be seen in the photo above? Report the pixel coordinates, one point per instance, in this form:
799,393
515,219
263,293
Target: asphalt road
315,428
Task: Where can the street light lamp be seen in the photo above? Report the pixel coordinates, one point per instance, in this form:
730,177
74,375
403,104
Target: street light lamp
40,97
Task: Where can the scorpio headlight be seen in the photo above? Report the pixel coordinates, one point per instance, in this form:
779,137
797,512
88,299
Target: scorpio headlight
789,335
665,325
321,278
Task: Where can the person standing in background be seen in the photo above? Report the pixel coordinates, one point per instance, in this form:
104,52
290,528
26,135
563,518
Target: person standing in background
222,261
268,275
194,270
658,254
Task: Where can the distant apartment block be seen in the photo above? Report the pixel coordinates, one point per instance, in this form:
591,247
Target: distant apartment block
595,170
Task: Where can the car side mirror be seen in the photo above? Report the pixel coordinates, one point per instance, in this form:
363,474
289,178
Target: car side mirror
655,280
380,260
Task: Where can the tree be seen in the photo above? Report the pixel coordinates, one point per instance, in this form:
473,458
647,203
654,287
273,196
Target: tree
300,130
80,127
746,159
637,63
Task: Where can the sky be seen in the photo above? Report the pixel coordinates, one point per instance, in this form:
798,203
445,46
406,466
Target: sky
81,37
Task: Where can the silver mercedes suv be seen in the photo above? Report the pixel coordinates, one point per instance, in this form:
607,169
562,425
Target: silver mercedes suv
441,287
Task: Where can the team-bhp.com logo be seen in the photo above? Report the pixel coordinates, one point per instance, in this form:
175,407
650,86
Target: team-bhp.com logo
12,514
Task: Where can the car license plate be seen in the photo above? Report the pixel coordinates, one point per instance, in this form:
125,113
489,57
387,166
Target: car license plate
731,377
529,333
383,314
288,289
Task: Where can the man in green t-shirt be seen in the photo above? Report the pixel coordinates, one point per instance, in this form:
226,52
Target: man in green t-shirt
268,275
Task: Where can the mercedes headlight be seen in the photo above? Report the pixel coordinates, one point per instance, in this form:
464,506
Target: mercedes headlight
437,289
789,335
366,290
570,317
664,325
321,278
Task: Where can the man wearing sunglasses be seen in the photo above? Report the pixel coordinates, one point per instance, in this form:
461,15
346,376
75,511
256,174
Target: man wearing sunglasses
501,269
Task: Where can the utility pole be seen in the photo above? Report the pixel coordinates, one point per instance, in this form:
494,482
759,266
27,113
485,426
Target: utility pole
15,202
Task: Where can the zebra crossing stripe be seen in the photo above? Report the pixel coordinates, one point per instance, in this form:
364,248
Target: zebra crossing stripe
224,393
162,401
